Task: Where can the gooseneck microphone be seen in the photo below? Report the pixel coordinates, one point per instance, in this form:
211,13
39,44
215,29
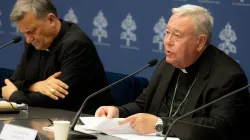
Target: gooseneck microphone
204,106
75,134
14,40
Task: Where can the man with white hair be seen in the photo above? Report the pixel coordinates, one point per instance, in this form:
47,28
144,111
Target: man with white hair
60,66
193,73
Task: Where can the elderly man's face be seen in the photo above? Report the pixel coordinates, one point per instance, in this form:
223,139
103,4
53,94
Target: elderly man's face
181,42
38,32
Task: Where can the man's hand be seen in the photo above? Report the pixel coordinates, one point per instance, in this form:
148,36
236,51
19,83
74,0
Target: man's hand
8,89
51,87
107,111
142,123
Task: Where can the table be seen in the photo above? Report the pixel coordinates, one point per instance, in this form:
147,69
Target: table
37,118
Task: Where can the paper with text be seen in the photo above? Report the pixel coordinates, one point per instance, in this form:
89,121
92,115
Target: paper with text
142,137
107,126
14,132
111,127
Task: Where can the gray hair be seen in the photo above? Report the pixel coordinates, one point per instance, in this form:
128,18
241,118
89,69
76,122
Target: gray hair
41,8
201,16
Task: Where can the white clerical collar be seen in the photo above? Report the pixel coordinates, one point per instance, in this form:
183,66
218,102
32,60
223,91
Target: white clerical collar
184,70
47,50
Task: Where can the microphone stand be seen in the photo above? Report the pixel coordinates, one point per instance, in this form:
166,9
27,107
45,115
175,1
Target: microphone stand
14,40
202,107
75,134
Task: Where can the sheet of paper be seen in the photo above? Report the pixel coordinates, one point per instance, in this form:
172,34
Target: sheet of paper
11,132
111,127
141,137
82,128
107,126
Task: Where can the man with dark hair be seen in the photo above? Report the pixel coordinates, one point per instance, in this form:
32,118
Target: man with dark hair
60,66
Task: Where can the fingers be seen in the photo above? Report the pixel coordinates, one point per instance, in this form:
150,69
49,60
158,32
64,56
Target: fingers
4,93
58,88
132,122
132,125
107,111
50,92
137,129
57,74
100,112
51,87
56,93
130,119
57,84
60,84
8,82
111,113
52,96
61,91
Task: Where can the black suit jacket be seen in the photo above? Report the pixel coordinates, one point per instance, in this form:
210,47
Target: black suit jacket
75,55
218,75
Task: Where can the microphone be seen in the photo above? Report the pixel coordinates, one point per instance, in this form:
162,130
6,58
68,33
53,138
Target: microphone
14,40
204,106
75,134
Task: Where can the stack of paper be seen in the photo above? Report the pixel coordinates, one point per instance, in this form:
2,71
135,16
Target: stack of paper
107,126
111,127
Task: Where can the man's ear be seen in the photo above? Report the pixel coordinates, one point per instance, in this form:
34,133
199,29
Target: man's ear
201,42
52,19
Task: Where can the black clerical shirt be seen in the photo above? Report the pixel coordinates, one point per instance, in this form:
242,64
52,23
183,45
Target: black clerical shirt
186,78
72,53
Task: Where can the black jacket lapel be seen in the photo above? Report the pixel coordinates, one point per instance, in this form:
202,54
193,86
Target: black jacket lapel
201,81
160,93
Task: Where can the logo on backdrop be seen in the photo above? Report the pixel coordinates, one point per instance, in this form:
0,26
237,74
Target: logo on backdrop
16,32
228,36
100,22
71,16
241,3
180,0
129,26
209,1
159,29
1,32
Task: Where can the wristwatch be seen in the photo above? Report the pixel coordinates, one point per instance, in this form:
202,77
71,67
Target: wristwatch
159,127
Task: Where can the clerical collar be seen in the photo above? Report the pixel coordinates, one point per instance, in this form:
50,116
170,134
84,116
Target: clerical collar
184,70
193,69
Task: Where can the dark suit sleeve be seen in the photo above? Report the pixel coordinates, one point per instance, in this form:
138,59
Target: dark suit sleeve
138,106
228,114
22,83
73,67
18,76
32,99
134,107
